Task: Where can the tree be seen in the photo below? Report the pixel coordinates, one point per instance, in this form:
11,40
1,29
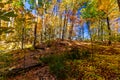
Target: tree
118,1
107,11
5,16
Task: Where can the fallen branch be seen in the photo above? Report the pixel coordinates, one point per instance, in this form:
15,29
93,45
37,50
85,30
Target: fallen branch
18,71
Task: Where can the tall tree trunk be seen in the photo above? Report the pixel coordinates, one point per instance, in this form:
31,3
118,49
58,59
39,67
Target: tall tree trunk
101,26
99,31
43,22
60,25
109,31
71,31
66,29
35,28
22,39
35,35
41,36
63,31
60,21
0,32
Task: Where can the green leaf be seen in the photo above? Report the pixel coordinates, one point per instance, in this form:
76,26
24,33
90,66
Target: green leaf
9,1
1,13
6,30
4,18
10,14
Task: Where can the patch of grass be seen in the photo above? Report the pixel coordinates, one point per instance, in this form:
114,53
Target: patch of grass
80,65
65,65
5,60
56,64
75,53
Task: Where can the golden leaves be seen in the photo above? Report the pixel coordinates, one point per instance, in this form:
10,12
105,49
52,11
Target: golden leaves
106,5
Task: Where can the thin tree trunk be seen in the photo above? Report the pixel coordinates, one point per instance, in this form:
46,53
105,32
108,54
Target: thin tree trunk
73,20
71,31
22,39
0,27
109,31
43,22
35,28
35,35
101,26
41,38
66,35
63,31
99,31
60,26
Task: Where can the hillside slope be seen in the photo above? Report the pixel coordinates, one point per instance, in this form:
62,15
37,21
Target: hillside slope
102,64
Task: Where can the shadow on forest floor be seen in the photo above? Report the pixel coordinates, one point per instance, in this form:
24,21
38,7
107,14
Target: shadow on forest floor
102,64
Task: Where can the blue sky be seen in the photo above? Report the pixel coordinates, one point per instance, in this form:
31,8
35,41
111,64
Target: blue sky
55,9
27,6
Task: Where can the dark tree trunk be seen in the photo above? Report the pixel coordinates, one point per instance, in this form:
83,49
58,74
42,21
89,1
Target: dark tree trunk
35,35
22,39
0,32
45,33
109,31
60,26
41,37
99,31
118,1
101,26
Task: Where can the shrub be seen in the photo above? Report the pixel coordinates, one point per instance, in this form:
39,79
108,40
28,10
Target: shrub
58,68
5,58
75,53
65,65
56,65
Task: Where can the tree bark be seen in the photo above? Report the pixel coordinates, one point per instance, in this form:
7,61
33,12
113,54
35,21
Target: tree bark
35,35
109,31
101,26
118,1
19,71
63,31
22,40
73,20
60,25
71,31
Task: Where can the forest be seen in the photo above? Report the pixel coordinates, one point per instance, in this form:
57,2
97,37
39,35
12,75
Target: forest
59,39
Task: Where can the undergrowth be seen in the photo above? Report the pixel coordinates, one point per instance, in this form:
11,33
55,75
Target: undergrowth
65,65
78,64
5,61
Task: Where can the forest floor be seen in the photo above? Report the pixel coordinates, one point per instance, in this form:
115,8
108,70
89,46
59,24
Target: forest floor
103,65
